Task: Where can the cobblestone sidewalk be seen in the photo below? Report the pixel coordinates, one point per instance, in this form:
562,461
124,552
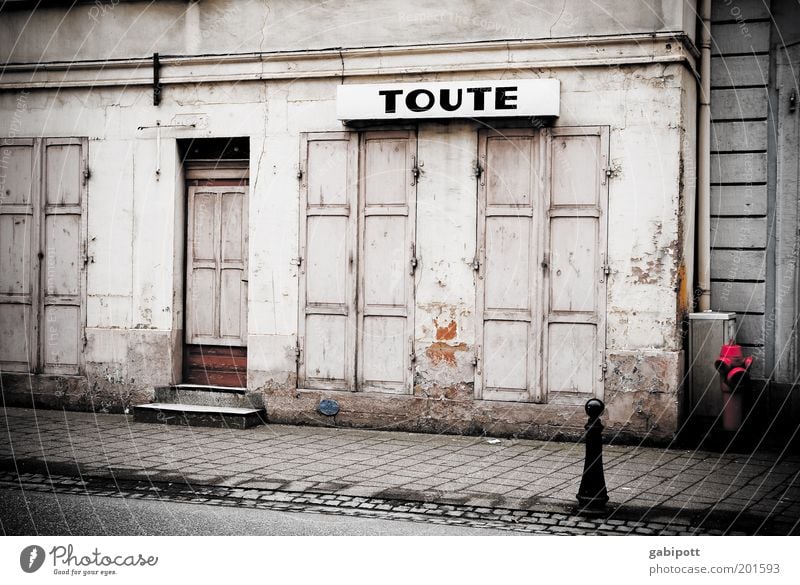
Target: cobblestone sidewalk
753,493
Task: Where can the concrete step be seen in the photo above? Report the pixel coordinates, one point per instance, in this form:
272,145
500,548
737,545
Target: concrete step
201,395
199,416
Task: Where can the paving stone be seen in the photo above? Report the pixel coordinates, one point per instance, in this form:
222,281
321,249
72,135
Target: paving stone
517,470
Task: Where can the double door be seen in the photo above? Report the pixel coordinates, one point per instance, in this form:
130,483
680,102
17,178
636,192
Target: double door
541,264
357,261
43,255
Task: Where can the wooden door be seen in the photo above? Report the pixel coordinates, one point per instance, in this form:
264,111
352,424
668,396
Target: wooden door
387,259
327,262
509,243
575,257
19,262
216,262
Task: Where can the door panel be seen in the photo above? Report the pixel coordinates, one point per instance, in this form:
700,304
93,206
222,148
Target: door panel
63,173
388,166
385,270
571,351
216,308
384,353
15,263
573,264
507,270
15,323
63,254
327,260
575,285
387,218
230,304
325,349
19,210
506,358
507,285
328,231
200,320
507,159
63,238
62,330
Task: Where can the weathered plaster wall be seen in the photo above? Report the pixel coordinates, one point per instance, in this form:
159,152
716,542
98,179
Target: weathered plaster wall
134,223
121,30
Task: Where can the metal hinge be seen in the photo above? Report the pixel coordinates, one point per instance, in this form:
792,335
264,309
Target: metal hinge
299,174
85,340
606,272
478,170
792,101
297,261
413,258
609,172
298,351
476,359
476,263
88,259
604,369
415,170
86,174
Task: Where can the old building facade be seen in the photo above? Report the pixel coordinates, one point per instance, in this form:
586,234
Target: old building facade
191,195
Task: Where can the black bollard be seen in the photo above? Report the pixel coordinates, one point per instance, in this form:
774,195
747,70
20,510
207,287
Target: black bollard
592,495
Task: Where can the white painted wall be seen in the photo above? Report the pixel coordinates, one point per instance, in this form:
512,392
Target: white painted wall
645,98
120,30
131,214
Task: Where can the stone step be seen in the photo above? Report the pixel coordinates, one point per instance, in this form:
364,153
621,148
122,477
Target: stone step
199,416
208,396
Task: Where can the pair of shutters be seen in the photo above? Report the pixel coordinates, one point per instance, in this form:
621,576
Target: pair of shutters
540,263
42,254
362,240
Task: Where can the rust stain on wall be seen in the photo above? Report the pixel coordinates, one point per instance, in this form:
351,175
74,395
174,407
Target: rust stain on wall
443,353
446,333
683,291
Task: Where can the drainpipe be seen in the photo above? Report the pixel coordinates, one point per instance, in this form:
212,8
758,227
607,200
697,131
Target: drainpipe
704,162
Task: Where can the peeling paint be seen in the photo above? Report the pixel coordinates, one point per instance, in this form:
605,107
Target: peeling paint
446,333
440,353
649,273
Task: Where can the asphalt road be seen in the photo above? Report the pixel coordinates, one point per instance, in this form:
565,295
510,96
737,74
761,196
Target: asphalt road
36,513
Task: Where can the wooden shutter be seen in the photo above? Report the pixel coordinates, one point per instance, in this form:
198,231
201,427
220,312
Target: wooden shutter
575,283
62,278
508,303
387,217
19,212
328,231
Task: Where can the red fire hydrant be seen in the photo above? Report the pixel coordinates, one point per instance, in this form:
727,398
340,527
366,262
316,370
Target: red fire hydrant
734,372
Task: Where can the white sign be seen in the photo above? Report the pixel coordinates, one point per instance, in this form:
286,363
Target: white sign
448,99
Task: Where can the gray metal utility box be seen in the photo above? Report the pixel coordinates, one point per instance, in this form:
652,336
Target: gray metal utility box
708,332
